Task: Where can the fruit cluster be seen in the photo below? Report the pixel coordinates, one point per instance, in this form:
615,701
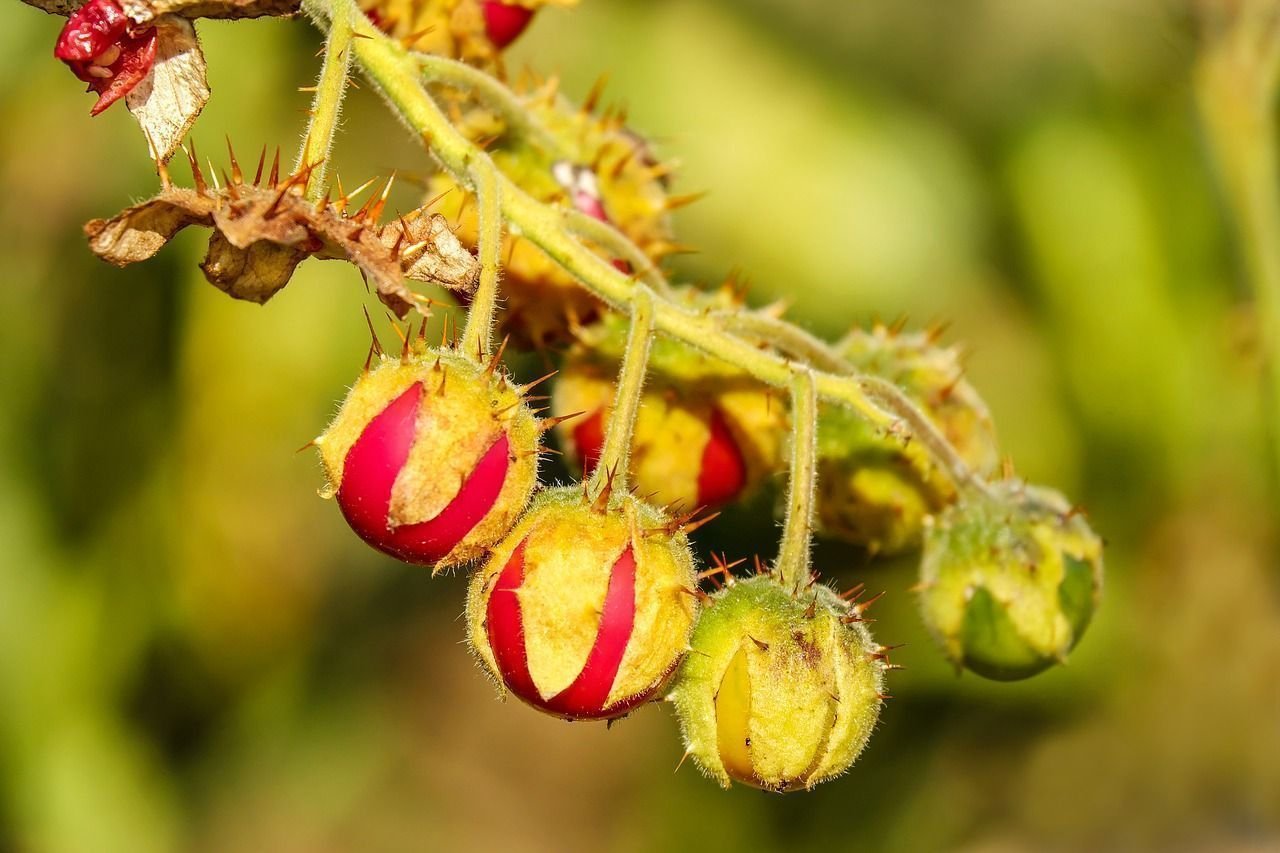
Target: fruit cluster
585,600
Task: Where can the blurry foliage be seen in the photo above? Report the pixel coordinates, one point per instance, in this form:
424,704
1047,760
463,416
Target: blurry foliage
194,653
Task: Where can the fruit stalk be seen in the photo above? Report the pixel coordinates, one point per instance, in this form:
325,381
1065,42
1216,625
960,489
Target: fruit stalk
478,334
612,469
330,88
797,530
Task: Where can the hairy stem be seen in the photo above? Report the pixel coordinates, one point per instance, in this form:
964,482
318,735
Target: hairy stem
396,74
786,337
797,531
477,336
616,452
1236,88
327,105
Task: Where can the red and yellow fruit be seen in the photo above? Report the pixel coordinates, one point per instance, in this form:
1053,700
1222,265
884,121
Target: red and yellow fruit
706,433
432,457
475,31
584,612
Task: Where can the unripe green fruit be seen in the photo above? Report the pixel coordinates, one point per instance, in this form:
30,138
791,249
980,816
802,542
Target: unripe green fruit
778,692
584,610
1010,582
876,490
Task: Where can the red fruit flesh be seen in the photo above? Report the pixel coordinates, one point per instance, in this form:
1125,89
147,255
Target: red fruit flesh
723,472
100,47
585,698
588,437
504,22
370,472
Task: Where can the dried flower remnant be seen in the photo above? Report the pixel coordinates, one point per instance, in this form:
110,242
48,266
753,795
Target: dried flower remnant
105,49
262,231
146,52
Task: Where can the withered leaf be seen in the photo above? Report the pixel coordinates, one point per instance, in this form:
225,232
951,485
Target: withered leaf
261,234
169,99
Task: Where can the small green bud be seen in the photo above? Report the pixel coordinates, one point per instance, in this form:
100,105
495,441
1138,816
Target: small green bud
779,692
1010,581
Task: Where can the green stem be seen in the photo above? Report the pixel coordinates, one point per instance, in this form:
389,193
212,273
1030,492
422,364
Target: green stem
396,74
477,336
786,337
330,88
616,452
797,531
1236,89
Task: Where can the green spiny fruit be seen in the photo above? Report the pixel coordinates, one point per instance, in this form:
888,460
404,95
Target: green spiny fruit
875,490
602,170
1010,581
780,691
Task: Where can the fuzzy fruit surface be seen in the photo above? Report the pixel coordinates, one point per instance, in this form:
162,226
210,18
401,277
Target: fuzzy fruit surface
1008,585
875,490
584,612
475,31
432,457
105,49
706,434
604,171
778,692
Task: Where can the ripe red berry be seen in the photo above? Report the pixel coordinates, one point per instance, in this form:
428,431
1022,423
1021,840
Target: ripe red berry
104,48
583,612
504,22
721,472
431,459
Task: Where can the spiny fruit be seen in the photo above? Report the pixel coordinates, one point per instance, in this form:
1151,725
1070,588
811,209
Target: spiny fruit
107,50
779,691
584,610
1009,581
874,490
600,169
475,31
432,456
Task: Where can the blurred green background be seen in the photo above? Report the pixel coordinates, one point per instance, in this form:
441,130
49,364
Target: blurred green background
196,654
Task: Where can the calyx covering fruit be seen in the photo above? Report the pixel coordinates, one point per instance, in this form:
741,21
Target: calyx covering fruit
875,490
779,691
1009,582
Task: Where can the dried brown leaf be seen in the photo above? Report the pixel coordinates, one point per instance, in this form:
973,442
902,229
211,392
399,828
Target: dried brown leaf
260,235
